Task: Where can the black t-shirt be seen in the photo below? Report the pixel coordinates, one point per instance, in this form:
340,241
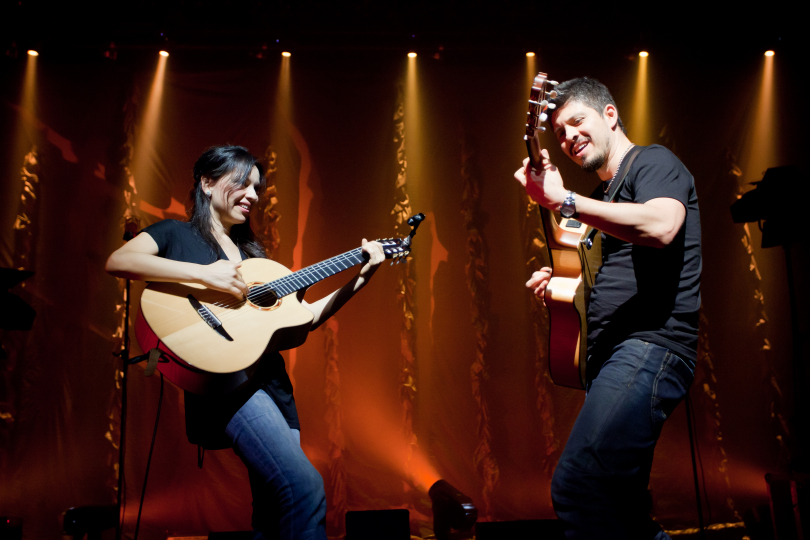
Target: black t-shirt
648,293
207,417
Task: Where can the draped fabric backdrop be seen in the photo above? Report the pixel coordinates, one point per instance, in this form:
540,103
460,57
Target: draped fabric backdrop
436,369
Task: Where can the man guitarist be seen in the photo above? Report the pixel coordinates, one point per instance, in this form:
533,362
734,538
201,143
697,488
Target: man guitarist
643,311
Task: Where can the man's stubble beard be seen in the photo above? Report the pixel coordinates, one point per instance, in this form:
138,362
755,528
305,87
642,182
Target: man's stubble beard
597,161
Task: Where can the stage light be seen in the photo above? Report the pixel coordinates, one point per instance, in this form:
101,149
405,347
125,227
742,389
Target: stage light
529,55
411,55
639,120
286,54
163,53
451,510
32,52
769,53
149,124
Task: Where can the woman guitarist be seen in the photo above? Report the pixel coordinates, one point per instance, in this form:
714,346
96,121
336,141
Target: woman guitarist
259,420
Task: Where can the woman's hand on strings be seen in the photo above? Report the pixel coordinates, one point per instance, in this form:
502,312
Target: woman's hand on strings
224,276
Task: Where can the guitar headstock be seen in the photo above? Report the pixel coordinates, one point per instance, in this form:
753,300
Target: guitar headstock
393,248
399,248
539,107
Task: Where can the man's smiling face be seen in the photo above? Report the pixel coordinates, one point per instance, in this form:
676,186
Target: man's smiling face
583,134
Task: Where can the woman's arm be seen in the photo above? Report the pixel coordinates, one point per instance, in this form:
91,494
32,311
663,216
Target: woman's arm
331,303
138,259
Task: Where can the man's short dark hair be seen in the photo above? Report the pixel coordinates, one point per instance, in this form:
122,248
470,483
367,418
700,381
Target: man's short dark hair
587,91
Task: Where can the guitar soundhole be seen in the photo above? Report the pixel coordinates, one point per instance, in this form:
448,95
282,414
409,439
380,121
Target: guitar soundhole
264,300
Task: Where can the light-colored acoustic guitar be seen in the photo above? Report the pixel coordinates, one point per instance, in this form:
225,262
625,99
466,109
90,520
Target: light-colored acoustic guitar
211,342
574,251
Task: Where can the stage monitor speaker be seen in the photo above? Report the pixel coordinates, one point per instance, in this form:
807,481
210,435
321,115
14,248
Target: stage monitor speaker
531,529
89,520
377,524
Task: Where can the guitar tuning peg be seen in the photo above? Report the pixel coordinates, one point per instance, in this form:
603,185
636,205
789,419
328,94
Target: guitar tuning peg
552,106
553,94
544,103
553,83
542,129
543,117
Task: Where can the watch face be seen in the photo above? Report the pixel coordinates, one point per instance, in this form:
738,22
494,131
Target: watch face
567,210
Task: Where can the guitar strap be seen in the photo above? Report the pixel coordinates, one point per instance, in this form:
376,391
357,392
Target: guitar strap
589,236
591,256
631,158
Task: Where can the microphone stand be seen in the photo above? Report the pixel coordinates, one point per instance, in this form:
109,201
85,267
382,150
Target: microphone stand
129,234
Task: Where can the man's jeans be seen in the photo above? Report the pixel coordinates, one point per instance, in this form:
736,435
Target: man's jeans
288,495
600,484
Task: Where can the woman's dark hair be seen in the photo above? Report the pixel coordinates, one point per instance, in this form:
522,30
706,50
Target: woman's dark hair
216,163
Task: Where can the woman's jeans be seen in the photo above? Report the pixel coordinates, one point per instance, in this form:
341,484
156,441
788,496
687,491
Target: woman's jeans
289,501
600,484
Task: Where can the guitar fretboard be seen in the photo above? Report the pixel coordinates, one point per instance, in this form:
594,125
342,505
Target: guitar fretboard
308,276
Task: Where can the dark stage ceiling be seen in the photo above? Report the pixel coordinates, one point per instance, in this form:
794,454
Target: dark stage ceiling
71,28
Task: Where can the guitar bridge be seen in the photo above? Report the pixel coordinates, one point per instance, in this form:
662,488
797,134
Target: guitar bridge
208,316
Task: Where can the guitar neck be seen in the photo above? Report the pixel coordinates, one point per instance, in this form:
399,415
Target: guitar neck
311,274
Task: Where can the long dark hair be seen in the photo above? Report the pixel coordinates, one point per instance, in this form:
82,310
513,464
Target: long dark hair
216,163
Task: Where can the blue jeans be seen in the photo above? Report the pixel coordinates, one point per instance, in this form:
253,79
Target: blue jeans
289,501
600,484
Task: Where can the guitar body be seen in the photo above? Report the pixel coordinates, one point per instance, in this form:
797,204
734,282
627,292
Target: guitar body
566,299
203,360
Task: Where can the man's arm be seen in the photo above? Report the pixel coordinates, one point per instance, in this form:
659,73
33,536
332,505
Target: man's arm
654,223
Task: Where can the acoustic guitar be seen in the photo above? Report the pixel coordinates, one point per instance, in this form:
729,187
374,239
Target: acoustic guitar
210,342
574,250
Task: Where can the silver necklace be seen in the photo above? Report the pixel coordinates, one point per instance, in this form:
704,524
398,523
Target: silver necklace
618,167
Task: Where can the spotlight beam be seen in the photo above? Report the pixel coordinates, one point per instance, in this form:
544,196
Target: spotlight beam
640,126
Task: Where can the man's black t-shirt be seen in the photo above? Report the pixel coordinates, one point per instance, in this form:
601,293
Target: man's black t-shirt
207,417
648,293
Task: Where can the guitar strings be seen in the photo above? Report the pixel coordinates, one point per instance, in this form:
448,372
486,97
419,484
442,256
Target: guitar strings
269,289
263,291
297,280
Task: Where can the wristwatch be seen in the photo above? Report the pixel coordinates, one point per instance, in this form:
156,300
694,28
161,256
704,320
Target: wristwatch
569,207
